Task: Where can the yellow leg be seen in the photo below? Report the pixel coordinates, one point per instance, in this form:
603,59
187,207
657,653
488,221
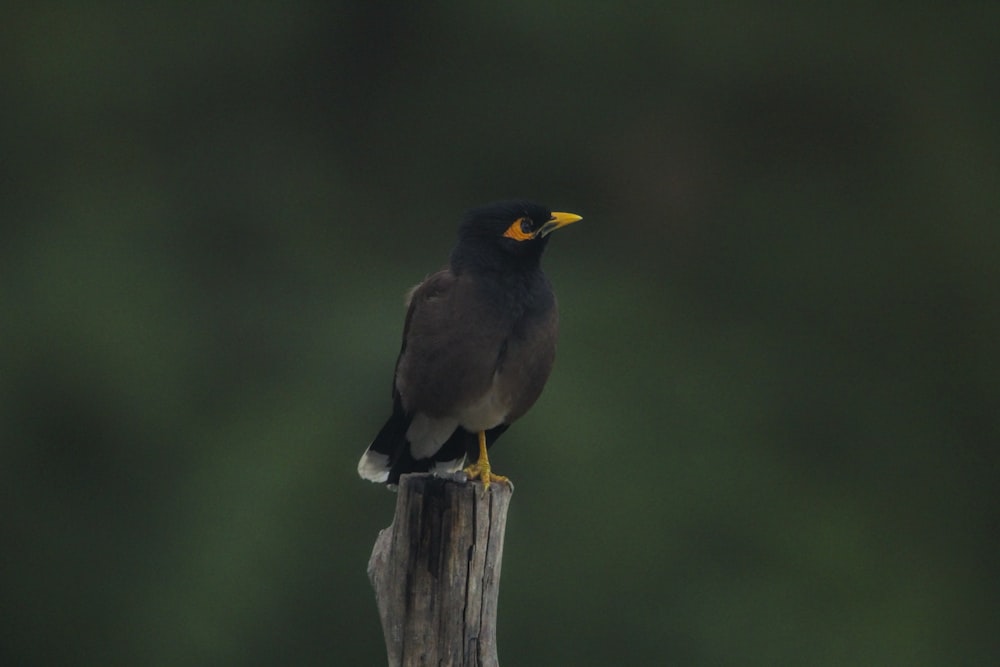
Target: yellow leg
481,469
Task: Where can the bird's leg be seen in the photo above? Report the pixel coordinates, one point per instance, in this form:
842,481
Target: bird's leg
481,468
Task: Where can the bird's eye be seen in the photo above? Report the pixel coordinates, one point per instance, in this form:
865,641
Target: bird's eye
522,229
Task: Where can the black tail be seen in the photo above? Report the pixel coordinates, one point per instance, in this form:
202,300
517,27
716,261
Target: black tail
389,455
386,450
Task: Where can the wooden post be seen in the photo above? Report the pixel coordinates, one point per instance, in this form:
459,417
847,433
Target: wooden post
436,571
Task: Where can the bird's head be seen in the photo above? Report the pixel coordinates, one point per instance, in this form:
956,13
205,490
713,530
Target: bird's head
517,230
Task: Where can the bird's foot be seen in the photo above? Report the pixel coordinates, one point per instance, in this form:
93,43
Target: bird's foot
481,470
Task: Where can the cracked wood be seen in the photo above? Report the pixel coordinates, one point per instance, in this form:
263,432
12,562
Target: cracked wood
436,572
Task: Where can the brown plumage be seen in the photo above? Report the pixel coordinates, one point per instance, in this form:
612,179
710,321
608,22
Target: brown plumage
478,346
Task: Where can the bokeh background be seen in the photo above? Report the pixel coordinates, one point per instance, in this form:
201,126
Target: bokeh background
771,434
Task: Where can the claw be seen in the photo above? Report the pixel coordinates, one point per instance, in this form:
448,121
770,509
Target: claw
481,469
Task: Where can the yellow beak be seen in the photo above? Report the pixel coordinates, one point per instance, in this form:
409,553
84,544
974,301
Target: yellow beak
556,221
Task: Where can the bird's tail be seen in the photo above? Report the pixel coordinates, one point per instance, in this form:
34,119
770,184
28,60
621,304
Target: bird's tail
389,455
386,449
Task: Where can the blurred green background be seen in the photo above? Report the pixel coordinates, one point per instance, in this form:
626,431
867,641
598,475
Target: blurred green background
771,434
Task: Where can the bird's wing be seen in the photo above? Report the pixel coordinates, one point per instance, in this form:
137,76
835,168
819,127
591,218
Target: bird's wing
451,344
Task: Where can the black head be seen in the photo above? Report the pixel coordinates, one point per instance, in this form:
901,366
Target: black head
506,234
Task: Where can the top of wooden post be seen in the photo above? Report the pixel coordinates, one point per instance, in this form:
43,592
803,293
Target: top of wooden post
436,571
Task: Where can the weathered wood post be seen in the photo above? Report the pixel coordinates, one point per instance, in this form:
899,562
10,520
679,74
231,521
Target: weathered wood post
436,571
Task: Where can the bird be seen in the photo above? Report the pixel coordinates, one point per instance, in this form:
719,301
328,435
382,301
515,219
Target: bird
479,343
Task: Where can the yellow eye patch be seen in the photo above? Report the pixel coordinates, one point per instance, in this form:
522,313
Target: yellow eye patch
516,230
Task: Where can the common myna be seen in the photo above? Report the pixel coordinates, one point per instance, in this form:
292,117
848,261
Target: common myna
479,341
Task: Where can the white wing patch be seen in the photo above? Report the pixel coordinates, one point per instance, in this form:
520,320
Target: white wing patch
427,434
